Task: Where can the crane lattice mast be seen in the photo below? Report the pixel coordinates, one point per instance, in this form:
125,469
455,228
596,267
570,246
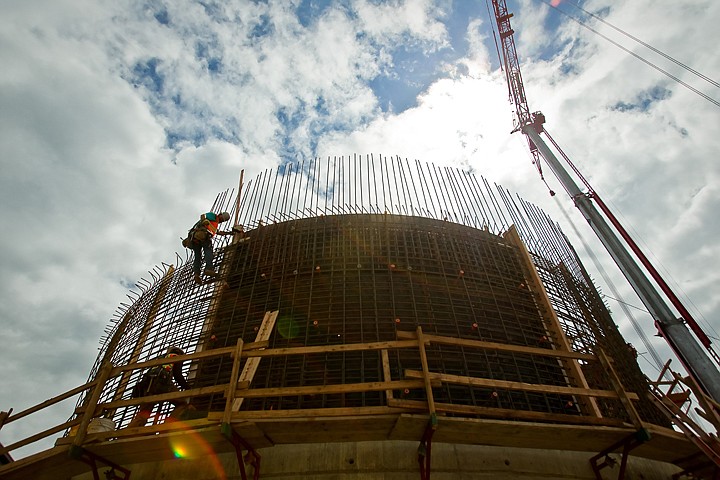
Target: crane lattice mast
513,76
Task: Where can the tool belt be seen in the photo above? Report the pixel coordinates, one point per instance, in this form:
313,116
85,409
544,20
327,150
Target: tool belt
196,236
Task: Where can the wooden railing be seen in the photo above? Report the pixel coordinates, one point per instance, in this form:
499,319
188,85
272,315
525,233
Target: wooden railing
676,405
413,379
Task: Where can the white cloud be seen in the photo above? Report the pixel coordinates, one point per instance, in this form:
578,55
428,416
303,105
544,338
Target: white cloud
647,161
413,21
478,57
528,22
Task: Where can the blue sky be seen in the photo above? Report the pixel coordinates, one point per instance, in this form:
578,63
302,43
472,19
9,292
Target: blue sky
405,67
121,120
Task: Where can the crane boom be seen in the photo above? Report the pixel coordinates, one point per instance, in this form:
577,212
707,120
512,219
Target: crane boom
673,329
511,63
513,76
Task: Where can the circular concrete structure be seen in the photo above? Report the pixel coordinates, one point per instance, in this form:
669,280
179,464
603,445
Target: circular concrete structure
460,322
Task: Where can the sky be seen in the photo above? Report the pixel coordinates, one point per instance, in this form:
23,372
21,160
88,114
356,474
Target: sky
120,121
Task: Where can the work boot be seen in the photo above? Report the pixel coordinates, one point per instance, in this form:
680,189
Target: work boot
210,273
197,278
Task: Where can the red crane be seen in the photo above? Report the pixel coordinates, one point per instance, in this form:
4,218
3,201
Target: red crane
673,329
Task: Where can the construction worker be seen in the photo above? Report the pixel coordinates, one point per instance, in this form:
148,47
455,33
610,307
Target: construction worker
156,381
200,241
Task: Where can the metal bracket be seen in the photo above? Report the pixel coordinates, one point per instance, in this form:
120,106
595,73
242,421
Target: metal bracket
628,443
425,448
251,458
91,459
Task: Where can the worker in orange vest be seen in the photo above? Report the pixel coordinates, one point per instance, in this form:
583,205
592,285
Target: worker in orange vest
200,241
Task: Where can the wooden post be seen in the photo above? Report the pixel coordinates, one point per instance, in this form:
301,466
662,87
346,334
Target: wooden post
232,387
237,199
709,407
426,375
386,372
551,321
102,378
618,386
251,365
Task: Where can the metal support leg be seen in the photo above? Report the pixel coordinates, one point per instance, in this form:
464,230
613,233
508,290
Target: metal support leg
91,459
251,458
700,467
696,465
628,443
425,449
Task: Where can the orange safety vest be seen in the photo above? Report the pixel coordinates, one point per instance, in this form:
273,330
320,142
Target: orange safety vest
213,228
169,366
212,225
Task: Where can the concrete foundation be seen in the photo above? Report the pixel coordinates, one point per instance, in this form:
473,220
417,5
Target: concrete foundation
396,460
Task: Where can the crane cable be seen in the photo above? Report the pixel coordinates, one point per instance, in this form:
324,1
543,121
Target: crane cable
647,62
644,44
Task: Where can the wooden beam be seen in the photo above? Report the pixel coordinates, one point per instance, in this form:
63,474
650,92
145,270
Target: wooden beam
386,371
526,387
331,389
216,352
709,407
618,386
166,397
425,374
552,323
708,444
309,413
251,365
39,436
232,387
49,402
349,347
507,414
237,199
101,378
243,391
464,342
149,430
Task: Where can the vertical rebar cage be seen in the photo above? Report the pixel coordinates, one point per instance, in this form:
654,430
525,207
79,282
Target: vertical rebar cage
360,249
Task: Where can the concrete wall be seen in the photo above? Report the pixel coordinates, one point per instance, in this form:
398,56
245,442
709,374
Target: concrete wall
397,461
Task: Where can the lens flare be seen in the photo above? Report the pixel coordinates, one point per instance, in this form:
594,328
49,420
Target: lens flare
287,328
190,444
179,451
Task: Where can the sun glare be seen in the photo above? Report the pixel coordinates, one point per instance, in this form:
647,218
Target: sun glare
179,452
191,445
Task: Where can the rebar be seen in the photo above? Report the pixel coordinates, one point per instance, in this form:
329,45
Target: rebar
353,249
